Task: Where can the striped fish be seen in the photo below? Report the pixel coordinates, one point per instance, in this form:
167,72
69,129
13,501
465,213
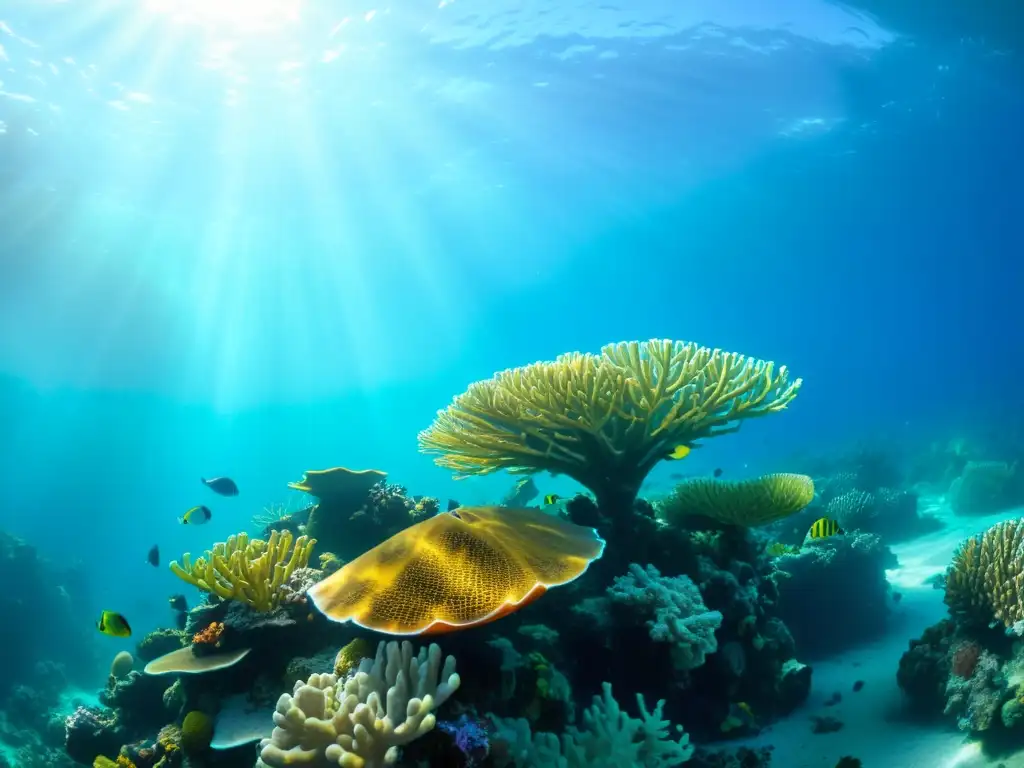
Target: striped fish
824,527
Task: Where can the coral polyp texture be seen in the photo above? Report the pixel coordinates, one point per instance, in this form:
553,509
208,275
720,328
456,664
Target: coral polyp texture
363,720
604,420
746,503
253,572
986,578
457,569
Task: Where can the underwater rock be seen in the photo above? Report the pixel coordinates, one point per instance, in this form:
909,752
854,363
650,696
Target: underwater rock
825,724
138,700
833,593
925,667
794,685
90,731
744,757
159,643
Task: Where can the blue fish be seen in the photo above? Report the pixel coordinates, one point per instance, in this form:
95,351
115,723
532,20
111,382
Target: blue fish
224,486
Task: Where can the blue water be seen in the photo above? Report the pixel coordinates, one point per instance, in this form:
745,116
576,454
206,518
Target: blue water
255,244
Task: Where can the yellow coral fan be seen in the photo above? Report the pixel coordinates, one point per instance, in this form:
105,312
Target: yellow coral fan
252,572
748,503
457,570
607,419
986,578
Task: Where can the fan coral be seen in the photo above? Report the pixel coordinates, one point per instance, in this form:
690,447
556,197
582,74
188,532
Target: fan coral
680,616
252,572
986,577
362,721
604,420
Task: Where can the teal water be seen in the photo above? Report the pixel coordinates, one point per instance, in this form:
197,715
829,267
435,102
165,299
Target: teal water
278,236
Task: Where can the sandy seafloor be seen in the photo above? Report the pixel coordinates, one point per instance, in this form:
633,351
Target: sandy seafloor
876,728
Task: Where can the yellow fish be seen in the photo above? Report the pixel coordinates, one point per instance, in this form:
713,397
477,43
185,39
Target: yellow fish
824,527
679,452
196,516
113,624
550,499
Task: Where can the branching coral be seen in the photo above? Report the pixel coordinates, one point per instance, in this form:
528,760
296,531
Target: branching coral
610,738
986,578
363,720
605,420
677,611
252,572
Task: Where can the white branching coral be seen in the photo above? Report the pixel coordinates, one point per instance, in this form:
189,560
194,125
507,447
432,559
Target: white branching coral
361,721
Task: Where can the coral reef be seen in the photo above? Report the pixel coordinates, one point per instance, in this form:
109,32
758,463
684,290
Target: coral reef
747,503
604,420
984,487
986,578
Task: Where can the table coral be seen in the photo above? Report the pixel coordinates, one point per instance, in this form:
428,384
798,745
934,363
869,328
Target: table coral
604,420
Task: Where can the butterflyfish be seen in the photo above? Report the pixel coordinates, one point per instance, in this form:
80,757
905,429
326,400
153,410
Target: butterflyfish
153,558
196,516
113,624
679,452
550,499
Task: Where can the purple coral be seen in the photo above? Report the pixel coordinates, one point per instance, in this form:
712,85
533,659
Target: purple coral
469,736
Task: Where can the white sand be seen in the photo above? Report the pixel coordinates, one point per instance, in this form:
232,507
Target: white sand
876,728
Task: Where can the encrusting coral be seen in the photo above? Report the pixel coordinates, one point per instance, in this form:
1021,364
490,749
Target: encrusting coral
252,572
746,503
604,420
986,578
363,720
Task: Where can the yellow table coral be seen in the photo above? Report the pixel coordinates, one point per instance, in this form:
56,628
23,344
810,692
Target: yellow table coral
605,420
253,572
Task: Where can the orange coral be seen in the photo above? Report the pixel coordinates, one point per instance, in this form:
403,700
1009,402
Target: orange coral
210,635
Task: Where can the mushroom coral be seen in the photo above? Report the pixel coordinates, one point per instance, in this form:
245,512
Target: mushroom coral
604,420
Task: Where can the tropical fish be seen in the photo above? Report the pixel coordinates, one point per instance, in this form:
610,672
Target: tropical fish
178,603
196,516
550,499
717,472
224,486
857,685
824,527
113,624
679,452
153,558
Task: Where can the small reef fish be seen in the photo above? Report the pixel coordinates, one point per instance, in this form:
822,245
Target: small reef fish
857,685
824,527
153,558
551,498
178,603
196,516
113,624
224,486
717,472
679,452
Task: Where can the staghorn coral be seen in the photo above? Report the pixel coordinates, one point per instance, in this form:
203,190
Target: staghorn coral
677,611
746,503
363,720
986,578
604,420
252,572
